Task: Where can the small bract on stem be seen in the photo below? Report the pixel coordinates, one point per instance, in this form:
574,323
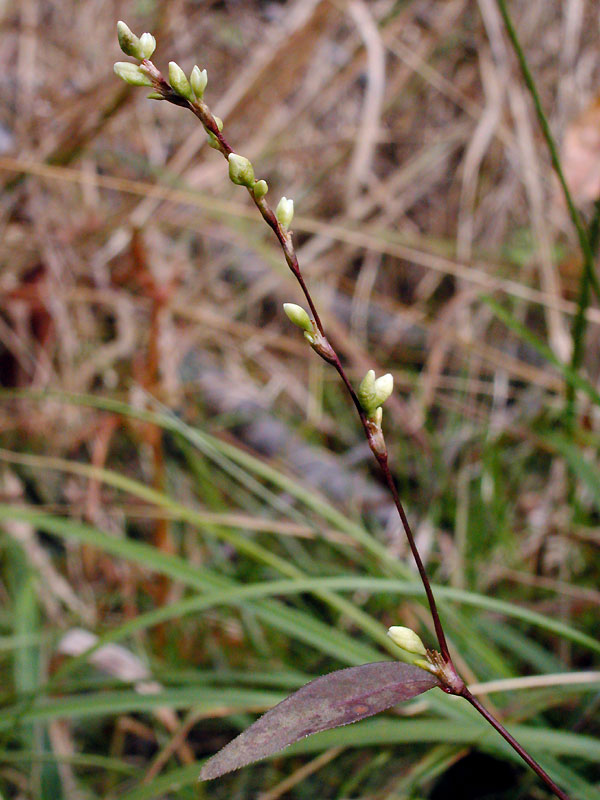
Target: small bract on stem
316,706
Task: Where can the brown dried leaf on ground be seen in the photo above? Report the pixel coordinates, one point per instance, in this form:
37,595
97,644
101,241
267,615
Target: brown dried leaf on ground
581,155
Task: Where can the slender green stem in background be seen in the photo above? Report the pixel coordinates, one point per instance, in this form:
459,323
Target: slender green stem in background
584,241
579,322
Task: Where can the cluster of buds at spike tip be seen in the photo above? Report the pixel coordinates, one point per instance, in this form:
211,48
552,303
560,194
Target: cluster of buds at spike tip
132,46
413,650
372,394
285,212
241,170
299,317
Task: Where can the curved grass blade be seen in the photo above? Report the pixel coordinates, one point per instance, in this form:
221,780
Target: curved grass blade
338,698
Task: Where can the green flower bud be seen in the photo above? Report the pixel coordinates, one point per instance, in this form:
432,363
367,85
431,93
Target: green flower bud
198,81
179,83
298,316
132,73
372,392
241,170
260,189
155,96
407,640
212,139
384,387
128,41
285,212
147,44
412,648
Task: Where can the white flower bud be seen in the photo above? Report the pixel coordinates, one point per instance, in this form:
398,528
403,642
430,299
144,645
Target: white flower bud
131,73
128,41
407,639
298,316
384,386
147,44
179,83
260,189
372,393
198,81
285,212
241,170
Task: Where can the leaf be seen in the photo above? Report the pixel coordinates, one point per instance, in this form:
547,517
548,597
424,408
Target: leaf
329,701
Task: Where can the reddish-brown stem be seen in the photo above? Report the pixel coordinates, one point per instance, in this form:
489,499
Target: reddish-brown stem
439,631
383,464
514,744
450,680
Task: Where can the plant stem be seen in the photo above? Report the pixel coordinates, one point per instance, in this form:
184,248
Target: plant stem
584,242
514,744
579,322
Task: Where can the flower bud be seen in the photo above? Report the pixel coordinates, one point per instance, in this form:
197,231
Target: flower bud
384,386
260,189
407,639
212,139
132,73
147,44
179,83
413,649
372,393
198,81
128,41
298,316
241,170
285,212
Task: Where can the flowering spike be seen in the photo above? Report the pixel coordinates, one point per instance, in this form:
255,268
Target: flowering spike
198,81
179,83
241,170
131,73
147,45
260,189
128,41
285,212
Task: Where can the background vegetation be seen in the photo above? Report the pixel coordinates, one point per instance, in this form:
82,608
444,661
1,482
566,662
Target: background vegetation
183,478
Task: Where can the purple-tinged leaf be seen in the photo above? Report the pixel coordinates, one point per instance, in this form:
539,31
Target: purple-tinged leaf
327,702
